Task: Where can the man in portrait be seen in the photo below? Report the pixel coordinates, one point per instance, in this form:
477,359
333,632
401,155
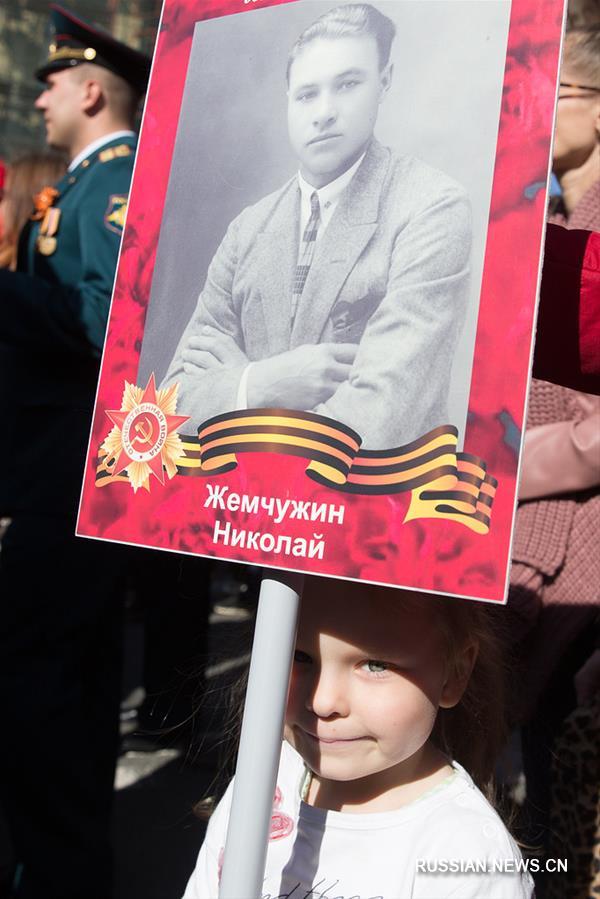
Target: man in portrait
344,292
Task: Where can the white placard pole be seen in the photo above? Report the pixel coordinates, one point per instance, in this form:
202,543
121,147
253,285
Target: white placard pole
260,739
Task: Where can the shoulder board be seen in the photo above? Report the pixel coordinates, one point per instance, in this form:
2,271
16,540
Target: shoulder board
115,152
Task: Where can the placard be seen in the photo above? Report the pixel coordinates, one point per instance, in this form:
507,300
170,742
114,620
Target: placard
320,335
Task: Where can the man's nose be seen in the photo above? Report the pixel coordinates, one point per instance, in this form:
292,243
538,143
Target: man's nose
325,112
328,695
40,102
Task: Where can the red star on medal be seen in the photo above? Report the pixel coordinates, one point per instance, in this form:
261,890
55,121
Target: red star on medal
144,426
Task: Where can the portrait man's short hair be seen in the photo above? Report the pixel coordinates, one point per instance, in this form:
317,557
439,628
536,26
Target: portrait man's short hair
349,20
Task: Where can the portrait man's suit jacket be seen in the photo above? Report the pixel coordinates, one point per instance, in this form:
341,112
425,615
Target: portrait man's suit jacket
390,273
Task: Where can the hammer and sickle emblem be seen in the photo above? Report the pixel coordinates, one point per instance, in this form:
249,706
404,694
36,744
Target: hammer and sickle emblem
144,434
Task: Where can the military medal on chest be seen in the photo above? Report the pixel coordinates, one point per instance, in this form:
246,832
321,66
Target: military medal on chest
46,240
49,216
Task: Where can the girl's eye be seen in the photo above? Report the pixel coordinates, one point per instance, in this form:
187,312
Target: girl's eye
302,657
373,666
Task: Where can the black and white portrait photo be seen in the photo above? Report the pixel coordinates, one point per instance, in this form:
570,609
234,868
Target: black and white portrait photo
324,231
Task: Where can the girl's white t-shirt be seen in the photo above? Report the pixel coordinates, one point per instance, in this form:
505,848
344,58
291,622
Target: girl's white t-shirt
448,844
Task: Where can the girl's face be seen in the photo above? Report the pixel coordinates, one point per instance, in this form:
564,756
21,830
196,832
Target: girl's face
368,678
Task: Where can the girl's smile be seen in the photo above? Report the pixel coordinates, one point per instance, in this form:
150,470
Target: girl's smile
332,741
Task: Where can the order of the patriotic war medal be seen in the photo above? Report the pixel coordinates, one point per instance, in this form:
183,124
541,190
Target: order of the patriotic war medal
46,239
46,245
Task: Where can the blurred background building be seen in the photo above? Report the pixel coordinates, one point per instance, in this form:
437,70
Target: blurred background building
24,39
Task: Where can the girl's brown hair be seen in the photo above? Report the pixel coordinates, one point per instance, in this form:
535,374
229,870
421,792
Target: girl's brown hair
475,730
25,177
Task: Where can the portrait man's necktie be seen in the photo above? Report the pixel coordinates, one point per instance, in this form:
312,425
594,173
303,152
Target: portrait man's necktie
307,251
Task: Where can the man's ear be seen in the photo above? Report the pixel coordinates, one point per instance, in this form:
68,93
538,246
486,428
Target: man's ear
92,96
385,80
458,674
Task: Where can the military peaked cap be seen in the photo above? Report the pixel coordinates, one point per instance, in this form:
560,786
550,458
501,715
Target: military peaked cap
75,42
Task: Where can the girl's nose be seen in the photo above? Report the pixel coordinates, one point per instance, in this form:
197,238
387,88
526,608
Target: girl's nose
328,696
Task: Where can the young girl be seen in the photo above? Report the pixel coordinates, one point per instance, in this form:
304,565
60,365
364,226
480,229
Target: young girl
389,692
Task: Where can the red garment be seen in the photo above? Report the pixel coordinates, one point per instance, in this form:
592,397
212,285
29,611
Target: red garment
567,349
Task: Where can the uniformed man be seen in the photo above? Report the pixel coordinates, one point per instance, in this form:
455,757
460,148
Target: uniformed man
59,606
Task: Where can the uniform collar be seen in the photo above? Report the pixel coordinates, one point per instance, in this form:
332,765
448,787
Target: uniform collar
96,145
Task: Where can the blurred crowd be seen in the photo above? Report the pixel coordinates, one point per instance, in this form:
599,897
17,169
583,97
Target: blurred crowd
65,602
